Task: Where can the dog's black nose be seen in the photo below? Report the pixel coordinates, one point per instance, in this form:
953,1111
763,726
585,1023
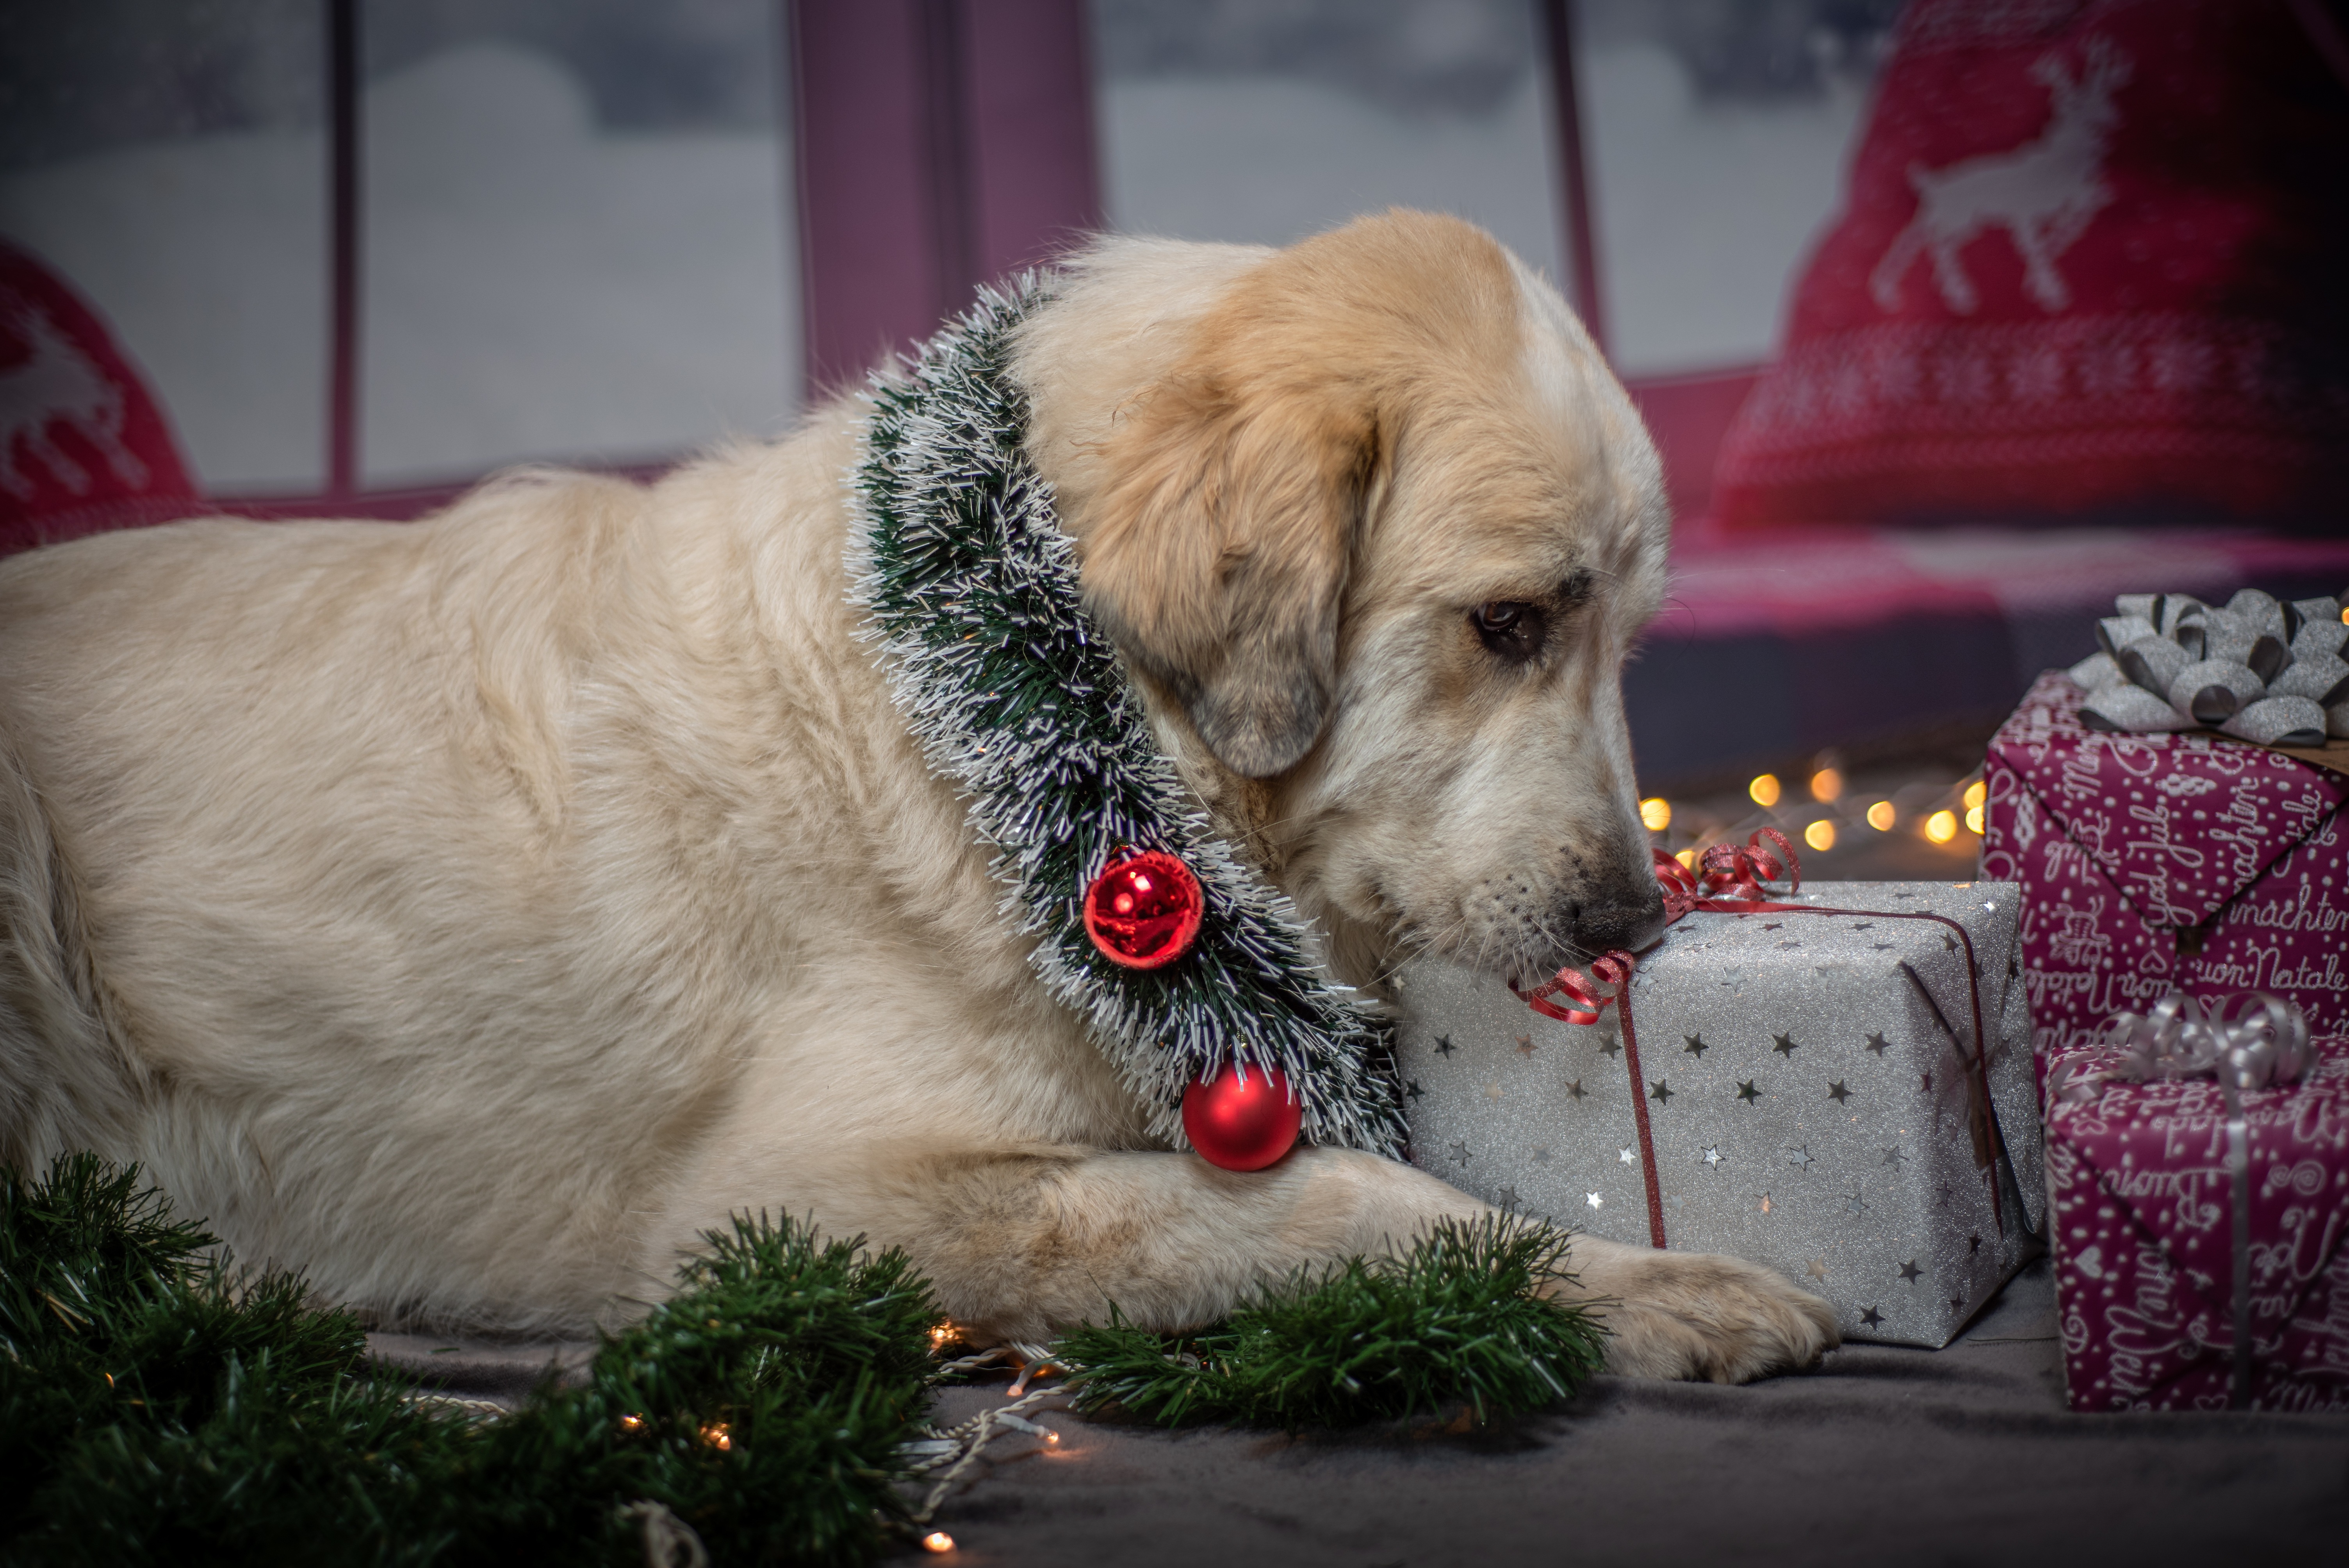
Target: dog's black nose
1631,923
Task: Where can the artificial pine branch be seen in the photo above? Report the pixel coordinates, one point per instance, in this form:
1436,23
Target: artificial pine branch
1464,1316
156,1407
971,586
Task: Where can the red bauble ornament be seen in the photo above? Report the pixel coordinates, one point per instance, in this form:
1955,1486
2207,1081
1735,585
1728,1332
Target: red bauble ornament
1242,1126
1142,911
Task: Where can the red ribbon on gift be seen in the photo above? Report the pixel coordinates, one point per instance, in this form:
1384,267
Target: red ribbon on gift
1732,879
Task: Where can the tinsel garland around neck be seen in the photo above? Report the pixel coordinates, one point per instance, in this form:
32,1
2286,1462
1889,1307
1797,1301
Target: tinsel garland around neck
958,557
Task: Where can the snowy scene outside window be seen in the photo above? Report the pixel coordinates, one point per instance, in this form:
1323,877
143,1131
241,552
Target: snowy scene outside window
1221,120
576,227
1718,137
171,160
578,233
1716,133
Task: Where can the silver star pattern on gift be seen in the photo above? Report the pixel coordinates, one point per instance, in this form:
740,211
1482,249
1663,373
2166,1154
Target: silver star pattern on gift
1828,1069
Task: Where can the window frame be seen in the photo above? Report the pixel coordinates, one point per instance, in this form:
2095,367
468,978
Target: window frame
930,154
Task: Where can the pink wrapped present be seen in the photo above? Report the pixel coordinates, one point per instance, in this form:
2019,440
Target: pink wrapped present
2157,1241
2149,862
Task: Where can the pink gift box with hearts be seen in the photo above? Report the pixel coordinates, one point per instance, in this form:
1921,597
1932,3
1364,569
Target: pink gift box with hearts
2149,862
2143,1215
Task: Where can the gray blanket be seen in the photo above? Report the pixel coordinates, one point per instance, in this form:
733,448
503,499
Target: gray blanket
1882,1456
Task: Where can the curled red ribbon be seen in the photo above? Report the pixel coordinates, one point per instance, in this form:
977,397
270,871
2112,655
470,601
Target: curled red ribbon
1728,872
1732,879
1727,878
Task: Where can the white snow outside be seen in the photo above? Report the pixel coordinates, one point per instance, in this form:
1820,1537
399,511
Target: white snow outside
1705,213
532,286
208,259
1270,160
535,287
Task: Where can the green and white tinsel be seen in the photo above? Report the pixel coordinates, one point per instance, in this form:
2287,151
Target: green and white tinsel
958,558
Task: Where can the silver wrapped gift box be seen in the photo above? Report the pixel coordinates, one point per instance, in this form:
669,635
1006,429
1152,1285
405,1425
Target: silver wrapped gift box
1811,1087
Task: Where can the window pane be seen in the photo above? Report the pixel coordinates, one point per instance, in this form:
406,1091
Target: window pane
577,238
1717,132
1231,119
167,159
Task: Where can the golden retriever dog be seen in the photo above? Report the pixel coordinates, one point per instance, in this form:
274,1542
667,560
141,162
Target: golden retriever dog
469,913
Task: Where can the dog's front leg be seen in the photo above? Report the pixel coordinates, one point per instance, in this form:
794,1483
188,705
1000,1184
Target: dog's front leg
1020,1244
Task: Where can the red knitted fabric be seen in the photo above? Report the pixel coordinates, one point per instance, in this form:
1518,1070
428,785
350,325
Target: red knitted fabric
2095,257
83,447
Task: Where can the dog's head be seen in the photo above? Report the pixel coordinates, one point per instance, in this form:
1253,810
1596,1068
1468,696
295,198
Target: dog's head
1374,526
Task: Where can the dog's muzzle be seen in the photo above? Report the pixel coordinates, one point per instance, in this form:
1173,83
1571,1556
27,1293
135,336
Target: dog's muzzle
1627,919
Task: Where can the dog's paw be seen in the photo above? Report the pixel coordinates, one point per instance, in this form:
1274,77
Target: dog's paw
1674,1315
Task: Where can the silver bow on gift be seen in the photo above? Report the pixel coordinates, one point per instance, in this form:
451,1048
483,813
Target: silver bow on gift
2258,669
2251,1040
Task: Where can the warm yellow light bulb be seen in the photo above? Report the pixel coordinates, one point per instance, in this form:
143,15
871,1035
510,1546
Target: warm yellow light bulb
1976,793
937,1541
1686,858
1826,784
1657,813
1820,835
1974,819
1880,816
1764,789
1941,827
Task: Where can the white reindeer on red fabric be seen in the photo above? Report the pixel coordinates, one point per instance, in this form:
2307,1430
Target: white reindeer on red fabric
2043,192
54,381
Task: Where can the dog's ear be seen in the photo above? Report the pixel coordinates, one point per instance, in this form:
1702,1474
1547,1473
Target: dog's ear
1216,556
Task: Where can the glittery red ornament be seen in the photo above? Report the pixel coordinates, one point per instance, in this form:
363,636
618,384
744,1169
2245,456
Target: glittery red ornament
1142,911
1242,1126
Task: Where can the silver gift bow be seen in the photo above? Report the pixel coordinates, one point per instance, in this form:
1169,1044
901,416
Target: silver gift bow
2254,1039
2249,1040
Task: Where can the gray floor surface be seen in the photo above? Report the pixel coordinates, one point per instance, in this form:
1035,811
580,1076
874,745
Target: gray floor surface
1883,1455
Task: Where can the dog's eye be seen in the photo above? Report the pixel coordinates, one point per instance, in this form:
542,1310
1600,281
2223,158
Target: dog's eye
1510,628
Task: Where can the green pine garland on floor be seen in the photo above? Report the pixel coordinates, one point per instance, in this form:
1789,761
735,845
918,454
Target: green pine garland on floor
1460,1319
156,1407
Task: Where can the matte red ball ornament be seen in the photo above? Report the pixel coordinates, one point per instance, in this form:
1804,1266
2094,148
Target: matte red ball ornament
1242,1126
1142,911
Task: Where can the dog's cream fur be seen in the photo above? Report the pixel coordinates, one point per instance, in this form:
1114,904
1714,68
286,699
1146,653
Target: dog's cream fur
470,912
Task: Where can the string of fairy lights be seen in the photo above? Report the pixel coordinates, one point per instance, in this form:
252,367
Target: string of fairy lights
1824,812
